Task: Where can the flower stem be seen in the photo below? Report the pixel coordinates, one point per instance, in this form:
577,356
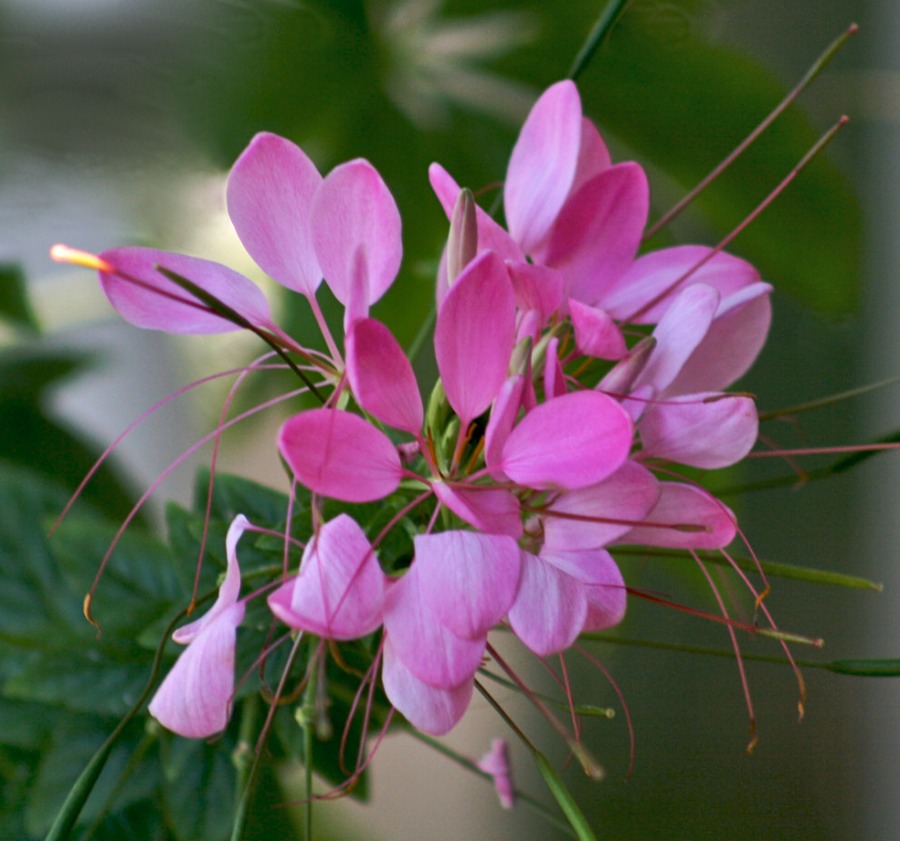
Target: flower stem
607,20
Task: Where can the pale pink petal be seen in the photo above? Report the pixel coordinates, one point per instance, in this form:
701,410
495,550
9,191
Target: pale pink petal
619,380
354,210
678,334
195,698
468,580
542,165
490,510
599,514
602,584
339,592
597,235
503,417
593,156
685,517
537,288
703,430
229,589
270,194
731,344
570,442
145,297
491,235
647,290
427,708
596,334
496,763
429,650
606,605
382,377
549,609
338,454
474,335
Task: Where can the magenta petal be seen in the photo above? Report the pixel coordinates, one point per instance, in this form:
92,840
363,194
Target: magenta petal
338,454
731,344
150,300
678,334
270,194
339,592
537,288
549,609
382,377
598,232
468,580
503,418
690,430
429,650
593,156
427,708
490,510
542,165
474,335
615,504
354,211
596,334
654,279
569,442
686,517
195,698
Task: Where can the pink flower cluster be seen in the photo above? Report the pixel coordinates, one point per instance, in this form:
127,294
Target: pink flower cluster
574,374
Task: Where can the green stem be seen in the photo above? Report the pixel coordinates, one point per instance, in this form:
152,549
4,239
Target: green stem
607,20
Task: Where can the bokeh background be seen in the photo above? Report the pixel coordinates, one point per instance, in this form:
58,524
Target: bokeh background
118,122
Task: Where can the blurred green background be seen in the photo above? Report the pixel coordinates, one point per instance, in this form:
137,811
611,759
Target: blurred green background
118,122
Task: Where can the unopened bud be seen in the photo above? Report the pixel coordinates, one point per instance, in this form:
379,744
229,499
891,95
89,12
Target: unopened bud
462,244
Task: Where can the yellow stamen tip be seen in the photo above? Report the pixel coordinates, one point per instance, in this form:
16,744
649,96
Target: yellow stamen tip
64,254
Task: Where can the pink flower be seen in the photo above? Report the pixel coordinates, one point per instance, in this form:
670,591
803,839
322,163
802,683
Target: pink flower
195,698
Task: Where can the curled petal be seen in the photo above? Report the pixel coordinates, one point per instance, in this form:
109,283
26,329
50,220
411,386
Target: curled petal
550,607
338,454
474,335
468,580
596,334
685,517
569,442
354,211
490,510
702,430
339,592
542,165
270,194
145,297
428,708
382,377
427,648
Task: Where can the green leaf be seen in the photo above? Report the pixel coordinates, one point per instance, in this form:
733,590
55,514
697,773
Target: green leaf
14,304
564,798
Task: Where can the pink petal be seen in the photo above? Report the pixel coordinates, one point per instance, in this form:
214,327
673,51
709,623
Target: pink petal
689,430
554,376
427,708
468,580
354,211
569,442
678,334
150,300
429,650
490,510
596,334
537,288
195,698
474,336
731,344
549,609
229,589
686,517
339,592
602,583
606,605
652,282
593,156
597,235
601,513
496,763
382,377
503,418
270,194
542,165
338,454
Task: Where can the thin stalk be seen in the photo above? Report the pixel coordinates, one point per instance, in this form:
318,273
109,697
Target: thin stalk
607,20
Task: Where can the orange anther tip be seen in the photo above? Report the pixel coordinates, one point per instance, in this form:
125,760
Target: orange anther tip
64,254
